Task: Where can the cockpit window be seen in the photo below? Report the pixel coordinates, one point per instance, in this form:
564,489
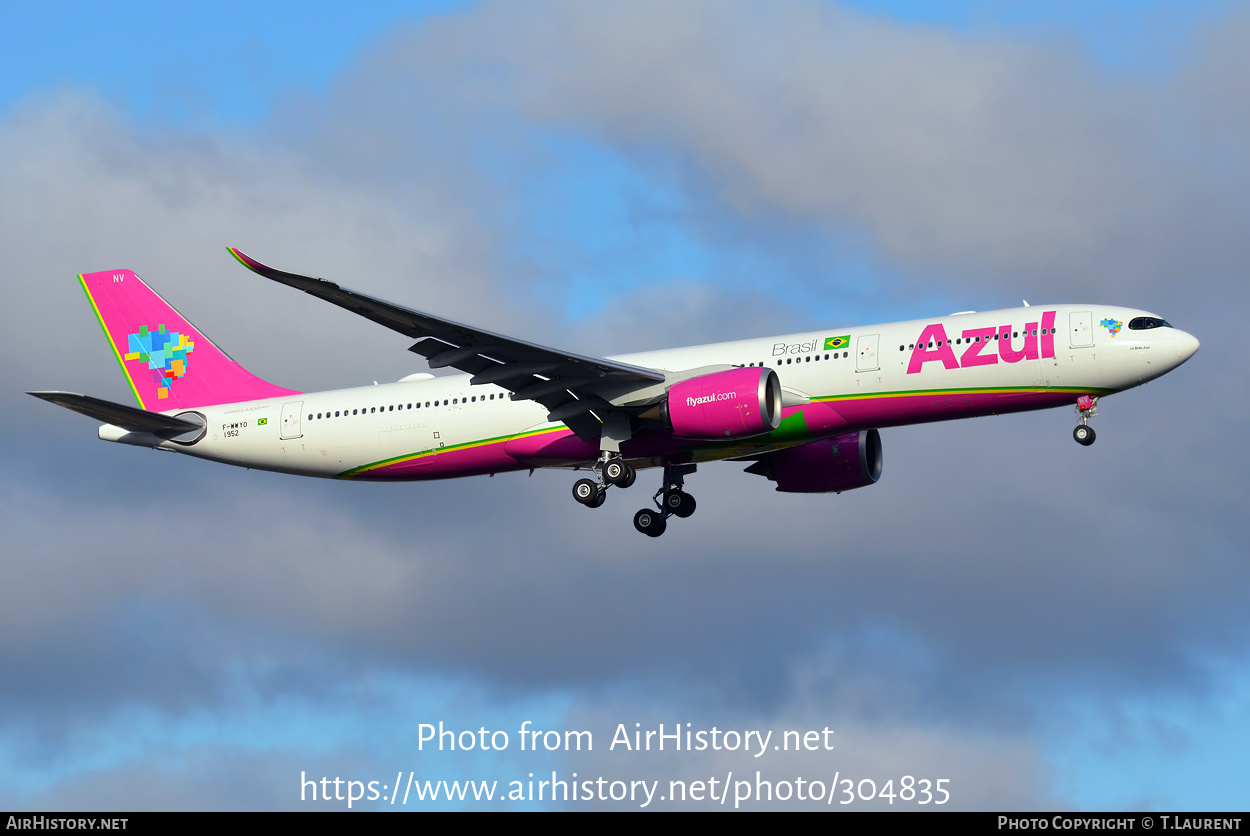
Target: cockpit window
1144,323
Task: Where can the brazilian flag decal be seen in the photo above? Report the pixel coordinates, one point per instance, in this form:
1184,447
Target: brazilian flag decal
262,422
832,343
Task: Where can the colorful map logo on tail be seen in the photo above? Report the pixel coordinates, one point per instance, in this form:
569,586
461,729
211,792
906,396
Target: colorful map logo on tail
164,351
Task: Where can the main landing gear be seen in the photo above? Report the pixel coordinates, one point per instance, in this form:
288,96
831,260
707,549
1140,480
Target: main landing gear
611,470
1086,407
670,499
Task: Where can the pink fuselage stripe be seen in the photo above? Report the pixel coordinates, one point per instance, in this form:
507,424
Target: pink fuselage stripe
822,419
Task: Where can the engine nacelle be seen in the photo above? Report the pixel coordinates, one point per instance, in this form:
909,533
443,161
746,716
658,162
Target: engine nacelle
842,463
735,403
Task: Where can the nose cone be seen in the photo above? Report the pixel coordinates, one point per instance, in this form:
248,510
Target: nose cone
1186,346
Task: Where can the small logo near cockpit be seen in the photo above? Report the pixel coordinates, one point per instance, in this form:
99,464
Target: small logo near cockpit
833,343
1113,326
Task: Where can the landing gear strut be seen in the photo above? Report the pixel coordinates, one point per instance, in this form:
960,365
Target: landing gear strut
611,470
1086,407
670,500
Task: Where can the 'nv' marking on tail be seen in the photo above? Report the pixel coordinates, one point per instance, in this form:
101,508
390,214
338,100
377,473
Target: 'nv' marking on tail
167,362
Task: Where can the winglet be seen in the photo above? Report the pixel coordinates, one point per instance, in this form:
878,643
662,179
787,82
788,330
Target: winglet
244,260
250,263
305,283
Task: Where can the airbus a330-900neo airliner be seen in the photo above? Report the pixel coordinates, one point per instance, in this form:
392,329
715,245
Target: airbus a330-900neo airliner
803,409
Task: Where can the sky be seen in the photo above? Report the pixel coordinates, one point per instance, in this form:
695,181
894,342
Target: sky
1037,624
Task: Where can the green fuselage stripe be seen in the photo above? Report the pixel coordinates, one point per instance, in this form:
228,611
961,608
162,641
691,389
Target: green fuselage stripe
789,431
347,474
974,390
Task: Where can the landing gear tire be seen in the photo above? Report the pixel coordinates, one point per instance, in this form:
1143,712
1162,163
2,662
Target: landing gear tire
679,504
1084,435
618,473
599,499
586,491
650,523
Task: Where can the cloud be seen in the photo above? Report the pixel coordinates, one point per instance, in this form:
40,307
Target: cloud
937,619
981,160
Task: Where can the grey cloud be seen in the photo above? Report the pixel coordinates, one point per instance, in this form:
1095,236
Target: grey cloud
979,159
982,770
995,562
83,191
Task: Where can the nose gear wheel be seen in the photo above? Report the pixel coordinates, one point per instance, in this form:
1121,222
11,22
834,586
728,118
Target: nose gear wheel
1086,407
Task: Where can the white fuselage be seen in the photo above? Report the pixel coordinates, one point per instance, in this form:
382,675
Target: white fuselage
337,433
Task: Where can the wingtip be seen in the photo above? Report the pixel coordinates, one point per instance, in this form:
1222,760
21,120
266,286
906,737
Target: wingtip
247,261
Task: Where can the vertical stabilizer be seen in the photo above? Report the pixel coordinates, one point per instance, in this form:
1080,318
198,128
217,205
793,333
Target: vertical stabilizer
167,362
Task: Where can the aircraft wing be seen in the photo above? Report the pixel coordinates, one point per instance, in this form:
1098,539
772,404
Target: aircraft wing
566,383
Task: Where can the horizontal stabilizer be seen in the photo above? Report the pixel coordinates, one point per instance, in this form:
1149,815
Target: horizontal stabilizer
128,418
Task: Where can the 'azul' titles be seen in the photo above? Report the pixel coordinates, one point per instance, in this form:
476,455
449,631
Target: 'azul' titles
984,346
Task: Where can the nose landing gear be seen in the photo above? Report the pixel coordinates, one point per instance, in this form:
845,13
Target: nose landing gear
1086,407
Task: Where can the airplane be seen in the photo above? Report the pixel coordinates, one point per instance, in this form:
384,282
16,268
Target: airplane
804,410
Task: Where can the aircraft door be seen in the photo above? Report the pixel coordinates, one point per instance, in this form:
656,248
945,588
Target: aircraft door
866,353
291,419
1081,329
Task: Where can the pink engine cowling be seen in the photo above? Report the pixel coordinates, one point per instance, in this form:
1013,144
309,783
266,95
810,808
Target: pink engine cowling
736,403
842,463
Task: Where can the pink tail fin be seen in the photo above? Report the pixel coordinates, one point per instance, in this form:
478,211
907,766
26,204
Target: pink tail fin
168,363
